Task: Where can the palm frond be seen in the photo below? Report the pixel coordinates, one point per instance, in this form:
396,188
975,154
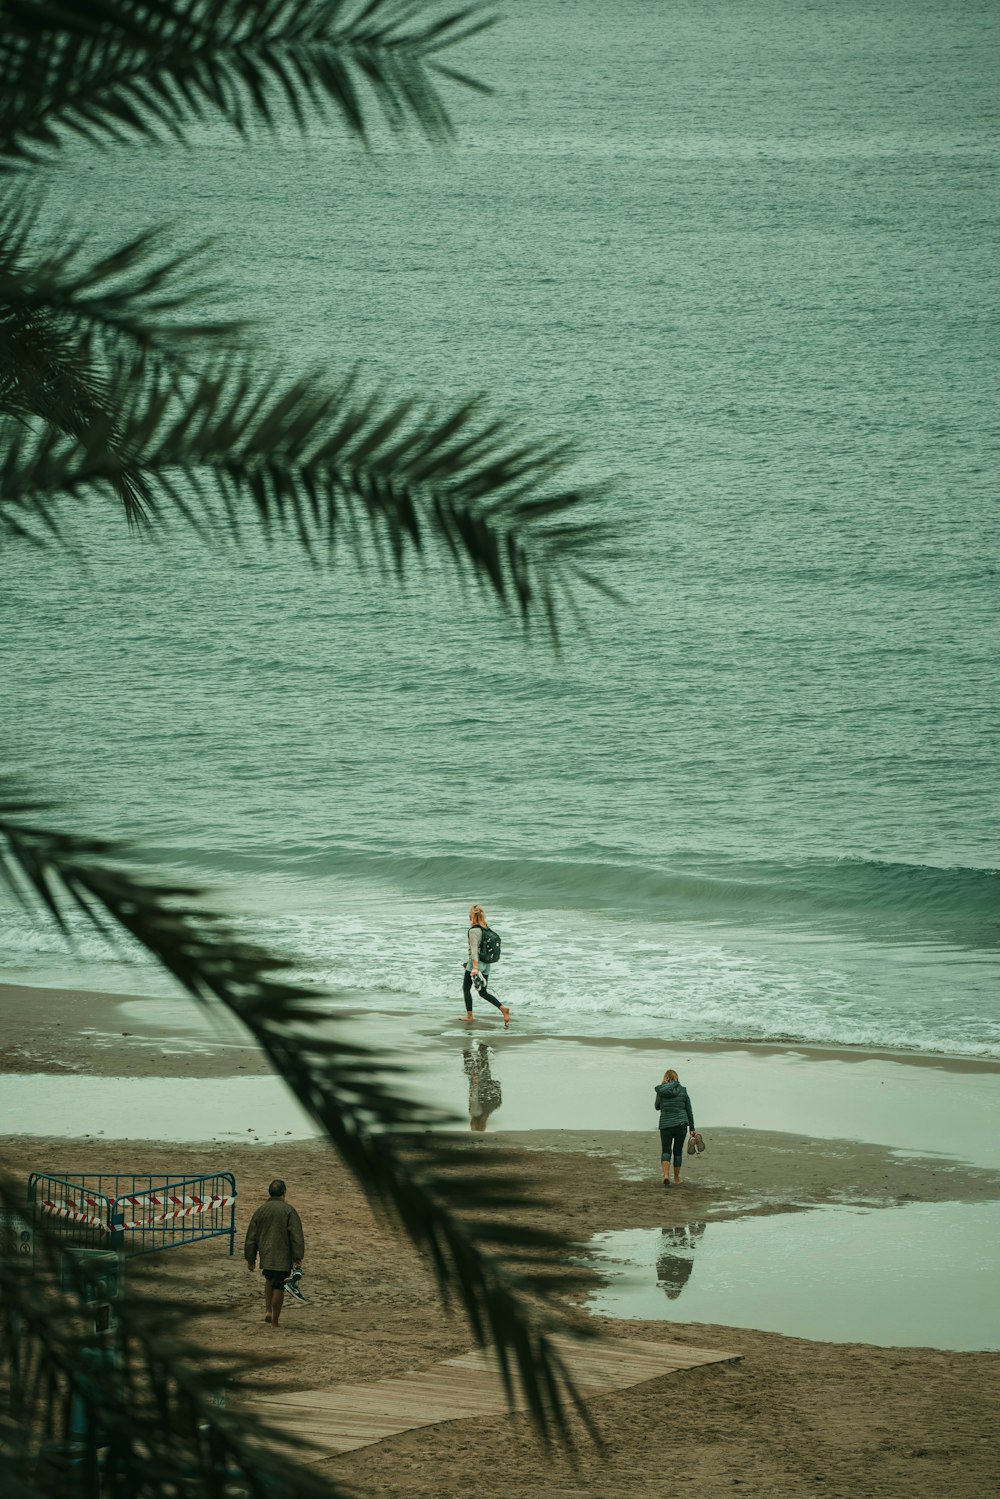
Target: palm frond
135,300
316,459
46,372
77,328
117,70
144,1394
453,1210
48,375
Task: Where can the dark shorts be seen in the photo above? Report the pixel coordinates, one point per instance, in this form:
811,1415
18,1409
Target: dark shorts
276,1277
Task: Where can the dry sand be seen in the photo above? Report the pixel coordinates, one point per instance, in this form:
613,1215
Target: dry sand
791,1418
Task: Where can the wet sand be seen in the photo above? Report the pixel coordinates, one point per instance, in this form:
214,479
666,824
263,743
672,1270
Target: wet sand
113,1035
794,1417
159,1050
102,1034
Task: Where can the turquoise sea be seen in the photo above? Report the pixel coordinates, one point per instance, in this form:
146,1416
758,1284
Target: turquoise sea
746,255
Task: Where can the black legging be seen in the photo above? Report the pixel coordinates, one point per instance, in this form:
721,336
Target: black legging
672,1142
484,993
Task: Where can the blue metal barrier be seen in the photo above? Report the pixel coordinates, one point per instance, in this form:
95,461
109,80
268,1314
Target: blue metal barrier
136,1212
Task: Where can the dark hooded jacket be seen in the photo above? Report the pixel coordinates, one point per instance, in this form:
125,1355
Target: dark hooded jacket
674,1106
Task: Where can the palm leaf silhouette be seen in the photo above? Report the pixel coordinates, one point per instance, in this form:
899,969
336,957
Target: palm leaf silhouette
146,1398
114,386
117,70
316,458
76,329
127,303
449,1208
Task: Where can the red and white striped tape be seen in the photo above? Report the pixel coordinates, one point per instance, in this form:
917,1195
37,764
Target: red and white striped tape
75,1212
148,1208
155,1207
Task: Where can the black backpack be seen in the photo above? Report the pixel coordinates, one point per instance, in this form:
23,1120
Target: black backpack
489,945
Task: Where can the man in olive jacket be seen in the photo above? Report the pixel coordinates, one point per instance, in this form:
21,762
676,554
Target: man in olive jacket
274,1233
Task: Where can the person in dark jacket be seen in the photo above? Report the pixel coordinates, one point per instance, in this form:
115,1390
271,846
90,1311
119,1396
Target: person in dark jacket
275,1234
676,1118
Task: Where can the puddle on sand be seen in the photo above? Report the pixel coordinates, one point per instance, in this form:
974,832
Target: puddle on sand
922,1275
150,1108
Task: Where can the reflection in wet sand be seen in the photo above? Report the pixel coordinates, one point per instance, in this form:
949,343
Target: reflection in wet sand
485,1096
841,1274
675,1259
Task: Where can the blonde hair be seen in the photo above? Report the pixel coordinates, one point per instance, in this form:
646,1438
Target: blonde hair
477,916
670,1076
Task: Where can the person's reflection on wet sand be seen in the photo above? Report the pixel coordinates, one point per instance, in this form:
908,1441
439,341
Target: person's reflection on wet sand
485,1096
675,1260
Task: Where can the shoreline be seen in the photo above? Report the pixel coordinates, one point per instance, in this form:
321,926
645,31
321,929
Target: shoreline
79,1065
884,1420
173,1035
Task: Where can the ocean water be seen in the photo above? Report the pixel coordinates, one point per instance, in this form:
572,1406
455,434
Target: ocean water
746,258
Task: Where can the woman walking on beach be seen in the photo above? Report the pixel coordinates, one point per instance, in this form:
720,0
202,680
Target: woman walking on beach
474,968
676,1118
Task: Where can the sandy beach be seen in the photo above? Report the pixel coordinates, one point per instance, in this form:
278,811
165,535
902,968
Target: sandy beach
502,496
796,1415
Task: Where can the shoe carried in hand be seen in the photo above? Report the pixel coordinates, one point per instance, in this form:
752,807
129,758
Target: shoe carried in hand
293,1285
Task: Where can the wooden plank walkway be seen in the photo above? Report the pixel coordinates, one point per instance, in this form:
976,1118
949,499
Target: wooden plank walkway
348,1416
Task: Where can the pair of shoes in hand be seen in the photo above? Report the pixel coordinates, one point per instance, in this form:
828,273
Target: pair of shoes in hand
293,1285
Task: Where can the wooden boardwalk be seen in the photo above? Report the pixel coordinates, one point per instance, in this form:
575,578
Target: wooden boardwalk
348,1416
